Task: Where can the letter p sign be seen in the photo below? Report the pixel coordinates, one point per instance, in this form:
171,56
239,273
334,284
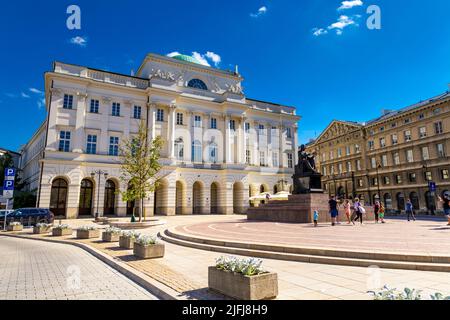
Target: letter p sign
10,173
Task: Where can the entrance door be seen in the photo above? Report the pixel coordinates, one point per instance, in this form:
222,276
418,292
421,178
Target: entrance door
86,194
58,197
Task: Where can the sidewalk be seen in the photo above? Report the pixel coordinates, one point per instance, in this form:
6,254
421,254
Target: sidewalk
185,270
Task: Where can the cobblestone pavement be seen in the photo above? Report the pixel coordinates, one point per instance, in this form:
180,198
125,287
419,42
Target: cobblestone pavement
36,270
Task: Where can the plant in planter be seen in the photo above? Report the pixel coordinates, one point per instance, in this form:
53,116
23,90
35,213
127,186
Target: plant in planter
15,226
407,294
42,228
127,239
148,247
87,232
242,279
62,230
111,234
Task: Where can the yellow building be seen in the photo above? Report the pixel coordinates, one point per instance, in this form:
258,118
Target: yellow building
392,158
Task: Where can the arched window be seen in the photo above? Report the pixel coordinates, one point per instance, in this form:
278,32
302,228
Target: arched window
58,197
179,149
213,153
388,201
197,151
110,198
415,200
86,193
400,201
197,84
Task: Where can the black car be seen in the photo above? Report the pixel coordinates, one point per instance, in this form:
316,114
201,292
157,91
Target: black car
32,216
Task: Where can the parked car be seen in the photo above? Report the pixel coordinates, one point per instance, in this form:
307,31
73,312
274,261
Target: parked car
32,216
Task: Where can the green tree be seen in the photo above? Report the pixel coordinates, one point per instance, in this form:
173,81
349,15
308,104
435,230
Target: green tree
139,159
6,161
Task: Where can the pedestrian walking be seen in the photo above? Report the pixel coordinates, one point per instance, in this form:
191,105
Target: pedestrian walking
347,210
409,208
359,211
446,204
376,210
382,212
333,210
316,218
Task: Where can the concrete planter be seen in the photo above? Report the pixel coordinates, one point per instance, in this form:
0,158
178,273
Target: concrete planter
149,252
88,234
260,287
62,232
41,230
126,242
110,237
15,228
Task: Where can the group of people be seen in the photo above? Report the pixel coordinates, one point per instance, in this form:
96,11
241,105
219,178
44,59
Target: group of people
355,211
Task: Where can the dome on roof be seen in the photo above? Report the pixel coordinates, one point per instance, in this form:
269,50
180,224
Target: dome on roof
186,58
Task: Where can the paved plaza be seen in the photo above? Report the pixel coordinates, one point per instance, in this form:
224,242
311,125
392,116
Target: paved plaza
35,270
184,269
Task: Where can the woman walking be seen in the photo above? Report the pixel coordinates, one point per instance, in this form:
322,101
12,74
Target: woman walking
358,211
347,210
376,210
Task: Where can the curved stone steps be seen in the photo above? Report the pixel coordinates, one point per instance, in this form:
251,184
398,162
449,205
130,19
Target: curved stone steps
311,255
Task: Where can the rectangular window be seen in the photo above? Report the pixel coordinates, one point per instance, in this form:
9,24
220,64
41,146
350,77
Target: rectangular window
357,148
290,161
358,164
68,101
94,106
349,166
339,153
360,183
289,133
247,127
115,109
374,163
407,121
407,136
394,139
412,177
340,168
213,123
331,169
409,156
160,115
422,132
425,153
438,128
114,146
384,160
375,181
261,129
137,112
248,158
324,157
382,142
371,145
331,155
232,125
444,174
275,160
91,145
428,176
347,150
324,171
262,159
64,141
197,121
179,119
387,181
398,179
396,158
440,150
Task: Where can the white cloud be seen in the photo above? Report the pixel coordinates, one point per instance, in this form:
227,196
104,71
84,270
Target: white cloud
41,103
214,57
34,90
201,58
24,95
79,41
319,31
350,4
261,11
173,54
341,24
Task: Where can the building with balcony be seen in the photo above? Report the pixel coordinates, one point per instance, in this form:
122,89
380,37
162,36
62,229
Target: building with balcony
392,158
220,146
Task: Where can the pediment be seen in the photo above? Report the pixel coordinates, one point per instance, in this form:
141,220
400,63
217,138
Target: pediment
337,129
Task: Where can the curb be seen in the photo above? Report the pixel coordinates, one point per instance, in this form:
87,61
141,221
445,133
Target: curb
154,287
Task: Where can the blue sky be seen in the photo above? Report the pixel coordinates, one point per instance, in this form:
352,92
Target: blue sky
317,55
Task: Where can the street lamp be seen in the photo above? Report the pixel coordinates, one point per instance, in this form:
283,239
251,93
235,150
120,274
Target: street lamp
378,181
431,196
99,173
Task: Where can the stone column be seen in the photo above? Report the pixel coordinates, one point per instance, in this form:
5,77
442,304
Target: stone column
128,109
295,155
171,131
52,133
244,142
240,142
281,151
255,156
152,121
104,111
79,136
226,143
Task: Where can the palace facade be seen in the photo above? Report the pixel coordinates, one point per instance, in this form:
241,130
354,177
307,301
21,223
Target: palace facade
391,158
220,146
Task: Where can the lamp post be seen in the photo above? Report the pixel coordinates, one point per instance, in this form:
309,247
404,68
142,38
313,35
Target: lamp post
368,186
353,185
431,196
99,173
378,181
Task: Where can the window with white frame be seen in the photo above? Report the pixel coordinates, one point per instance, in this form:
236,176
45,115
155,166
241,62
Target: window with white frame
179,149
290,158
213,151
262,158
358,164
261,129
64,141
68,101
340,168
137,112
331,155
425,153
160,115
213,123
371,144
347,150
440,150
422,132
115,109
179,119
339,152
247,127
357,148
232,125
382,142
408,136
289,133
275,159
396,157
248,157
409,156
324,170
349,167
94,106
384,160
197,121
438,128
114,146
394,139
91,144
197,151
373,162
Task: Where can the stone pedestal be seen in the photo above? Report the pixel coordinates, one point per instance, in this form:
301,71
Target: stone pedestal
298,209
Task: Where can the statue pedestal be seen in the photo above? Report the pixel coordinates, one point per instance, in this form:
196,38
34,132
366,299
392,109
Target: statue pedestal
298,209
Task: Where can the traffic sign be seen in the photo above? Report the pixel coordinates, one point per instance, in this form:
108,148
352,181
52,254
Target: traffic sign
10,174
8,194
432,186
8,185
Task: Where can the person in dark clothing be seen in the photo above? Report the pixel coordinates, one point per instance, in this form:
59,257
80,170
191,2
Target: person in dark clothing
446,204
358,211
376,210
410,210
333,210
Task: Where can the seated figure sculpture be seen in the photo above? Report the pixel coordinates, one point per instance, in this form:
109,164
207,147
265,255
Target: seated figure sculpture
306,178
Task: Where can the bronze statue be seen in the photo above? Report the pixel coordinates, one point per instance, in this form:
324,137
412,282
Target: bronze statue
306,178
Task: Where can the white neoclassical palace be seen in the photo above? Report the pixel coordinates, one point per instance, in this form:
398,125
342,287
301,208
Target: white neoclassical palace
220,147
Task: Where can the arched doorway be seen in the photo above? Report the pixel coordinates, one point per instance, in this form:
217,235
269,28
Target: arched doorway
86,196
215,198
198,198
161,198
181,202
58,197
431,201
109,207
388,201
415,200
264,188
275,189
400,201
238,198
130,204
341,193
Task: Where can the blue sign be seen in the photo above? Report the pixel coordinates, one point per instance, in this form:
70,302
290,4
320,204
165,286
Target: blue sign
8,185
432,186
10,172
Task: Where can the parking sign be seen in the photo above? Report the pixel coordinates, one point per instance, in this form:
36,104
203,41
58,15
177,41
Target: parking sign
10,173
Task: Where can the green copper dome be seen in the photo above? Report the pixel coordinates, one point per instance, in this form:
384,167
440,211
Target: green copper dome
183,57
